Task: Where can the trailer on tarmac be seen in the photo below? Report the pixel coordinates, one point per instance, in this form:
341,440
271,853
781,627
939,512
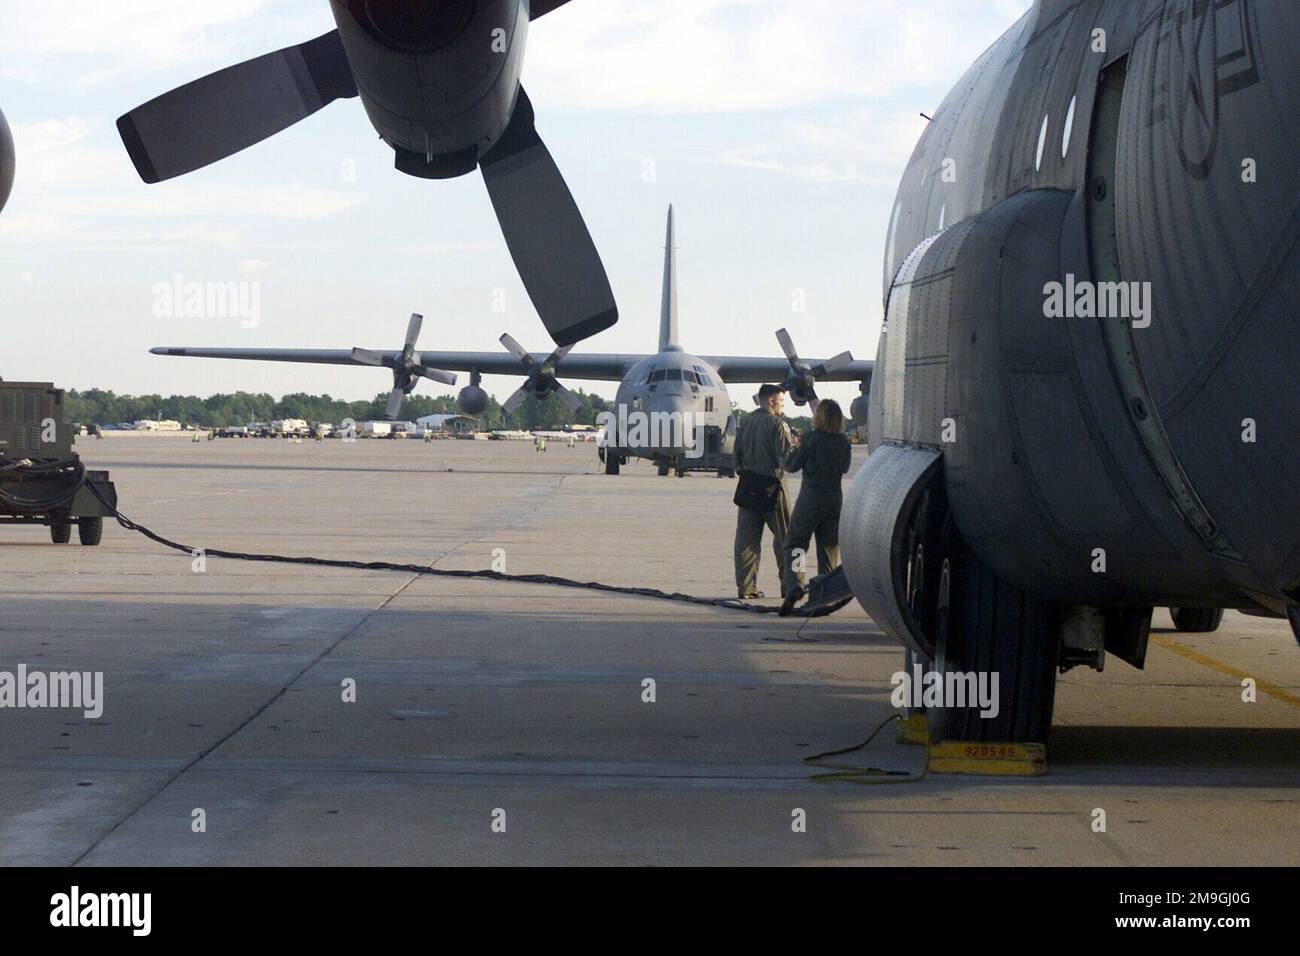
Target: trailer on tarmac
42,480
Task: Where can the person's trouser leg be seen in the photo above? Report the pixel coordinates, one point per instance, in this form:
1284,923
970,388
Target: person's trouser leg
778,521
749,543
802,524
828,543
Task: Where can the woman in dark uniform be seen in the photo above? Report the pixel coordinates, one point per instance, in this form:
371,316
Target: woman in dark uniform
823,456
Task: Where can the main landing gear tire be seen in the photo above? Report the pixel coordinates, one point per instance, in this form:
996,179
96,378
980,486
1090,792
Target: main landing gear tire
90,531
611,463
1197,620
663,469
992,627
60,532
980,625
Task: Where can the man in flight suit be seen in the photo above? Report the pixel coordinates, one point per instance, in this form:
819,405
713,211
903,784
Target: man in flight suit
762,443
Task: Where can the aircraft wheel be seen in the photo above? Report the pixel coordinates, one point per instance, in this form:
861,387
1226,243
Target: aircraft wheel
60,532
985,626
90,530
663,469
1196,620
611,464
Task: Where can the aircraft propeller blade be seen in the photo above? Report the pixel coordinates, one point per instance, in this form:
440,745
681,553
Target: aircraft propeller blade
412,333
515,349
434,374
572,402
367,357
553,359
832,364
516,399
395,401
228,111
787,346
546,234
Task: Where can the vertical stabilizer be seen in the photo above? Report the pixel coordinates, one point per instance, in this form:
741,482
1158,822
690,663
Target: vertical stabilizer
668,310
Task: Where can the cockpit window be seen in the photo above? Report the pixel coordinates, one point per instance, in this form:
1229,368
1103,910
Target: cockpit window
674,375
657,375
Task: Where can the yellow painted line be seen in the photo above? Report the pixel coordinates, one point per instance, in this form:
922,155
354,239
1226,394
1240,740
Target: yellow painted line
1268,688
988,759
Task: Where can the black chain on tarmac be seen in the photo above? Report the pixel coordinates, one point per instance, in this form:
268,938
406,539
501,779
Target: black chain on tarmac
733,604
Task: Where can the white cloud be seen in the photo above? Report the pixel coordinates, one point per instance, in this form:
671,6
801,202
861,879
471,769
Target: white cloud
869,146
687,56
87,42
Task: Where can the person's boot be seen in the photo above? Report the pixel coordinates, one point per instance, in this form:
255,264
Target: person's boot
791,599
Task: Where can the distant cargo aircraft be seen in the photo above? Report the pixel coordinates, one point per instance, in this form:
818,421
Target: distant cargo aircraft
672,407
6,161
1086,401
440,82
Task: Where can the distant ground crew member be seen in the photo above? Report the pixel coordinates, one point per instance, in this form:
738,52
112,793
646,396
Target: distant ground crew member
823,456
573,442
540,444
763,443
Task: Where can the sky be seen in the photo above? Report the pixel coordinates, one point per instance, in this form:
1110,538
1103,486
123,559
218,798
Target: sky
778,129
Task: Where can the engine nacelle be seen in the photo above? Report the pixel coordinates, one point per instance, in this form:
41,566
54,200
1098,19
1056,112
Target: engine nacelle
859,409
438,78
6,161
472,400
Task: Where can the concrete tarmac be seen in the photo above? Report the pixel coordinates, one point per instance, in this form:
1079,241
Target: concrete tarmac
479,702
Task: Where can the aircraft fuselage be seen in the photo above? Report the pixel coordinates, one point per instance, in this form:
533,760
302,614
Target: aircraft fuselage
1092,283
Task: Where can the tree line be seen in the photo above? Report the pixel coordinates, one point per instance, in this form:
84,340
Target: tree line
97,406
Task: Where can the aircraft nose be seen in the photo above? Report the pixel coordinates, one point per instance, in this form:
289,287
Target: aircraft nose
671,422
670,404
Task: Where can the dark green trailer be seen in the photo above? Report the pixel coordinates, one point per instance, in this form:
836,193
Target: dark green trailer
42,480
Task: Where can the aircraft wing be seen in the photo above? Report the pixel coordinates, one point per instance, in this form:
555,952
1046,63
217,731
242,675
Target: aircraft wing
736,369
590,367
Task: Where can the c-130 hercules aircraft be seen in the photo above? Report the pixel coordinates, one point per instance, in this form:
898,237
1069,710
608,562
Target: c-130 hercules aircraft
1038,483
687,391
